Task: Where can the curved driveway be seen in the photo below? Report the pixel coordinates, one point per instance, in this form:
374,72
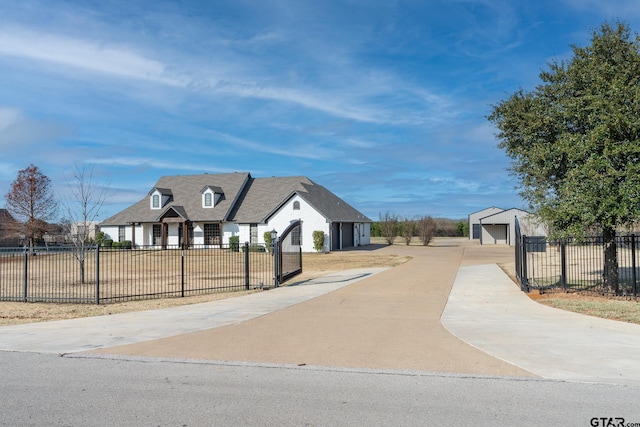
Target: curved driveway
390,320
383,319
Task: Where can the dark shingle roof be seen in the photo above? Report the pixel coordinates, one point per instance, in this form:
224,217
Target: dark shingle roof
263,196
186,198
244,199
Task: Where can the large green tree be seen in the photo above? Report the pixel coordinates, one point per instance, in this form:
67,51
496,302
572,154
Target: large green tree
575,140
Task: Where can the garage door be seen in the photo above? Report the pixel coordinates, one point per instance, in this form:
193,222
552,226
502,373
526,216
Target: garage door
495,234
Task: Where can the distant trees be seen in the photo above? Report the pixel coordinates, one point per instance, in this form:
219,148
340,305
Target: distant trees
31,202
426,228
389,227
407,230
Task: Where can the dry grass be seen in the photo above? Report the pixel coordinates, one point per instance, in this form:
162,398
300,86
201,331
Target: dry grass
613,309
622,310
314,265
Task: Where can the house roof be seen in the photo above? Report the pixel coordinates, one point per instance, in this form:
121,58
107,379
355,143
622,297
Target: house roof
244,199
186,199
5,216
6,219
262,197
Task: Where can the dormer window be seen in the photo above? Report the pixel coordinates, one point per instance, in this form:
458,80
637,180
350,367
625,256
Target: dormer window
159,197
210,196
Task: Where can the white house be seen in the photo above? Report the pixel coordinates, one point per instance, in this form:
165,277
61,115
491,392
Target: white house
495,226
208,209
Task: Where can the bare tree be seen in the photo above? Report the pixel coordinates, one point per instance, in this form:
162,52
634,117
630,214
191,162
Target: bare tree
82,208
426,229
31,202
389,227
408,227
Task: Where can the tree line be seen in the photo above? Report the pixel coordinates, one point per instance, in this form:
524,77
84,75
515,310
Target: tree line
425,228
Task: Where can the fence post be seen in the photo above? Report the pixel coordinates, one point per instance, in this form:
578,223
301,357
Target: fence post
246,265
524,281
633,265
182,270
24,275
97,274
563,264
276,256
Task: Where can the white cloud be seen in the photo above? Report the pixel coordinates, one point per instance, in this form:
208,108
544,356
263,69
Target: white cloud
156,164
18,130
612,8
85,54
305,151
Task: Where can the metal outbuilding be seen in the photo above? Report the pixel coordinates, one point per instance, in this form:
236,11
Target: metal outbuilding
495,226
475,231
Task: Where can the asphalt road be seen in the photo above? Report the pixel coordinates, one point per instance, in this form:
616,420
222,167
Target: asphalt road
48,390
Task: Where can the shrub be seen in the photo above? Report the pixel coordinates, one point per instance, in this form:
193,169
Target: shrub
100,238
389,227
116,245
318,240
125,244
267,240
234,243
107,243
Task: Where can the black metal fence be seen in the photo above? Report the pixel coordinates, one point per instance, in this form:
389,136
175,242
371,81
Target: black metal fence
575,265
100,275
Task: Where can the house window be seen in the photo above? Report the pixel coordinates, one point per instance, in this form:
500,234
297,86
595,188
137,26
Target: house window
157,234
253,233
296,206
212,234
296,238
121,233
155,201
208,200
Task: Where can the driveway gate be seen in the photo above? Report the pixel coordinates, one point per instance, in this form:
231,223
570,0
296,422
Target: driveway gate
290,252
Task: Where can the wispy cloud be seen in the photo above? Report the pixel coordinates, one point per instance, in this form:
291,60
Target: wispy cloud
84,54
621,9
155,164
17,130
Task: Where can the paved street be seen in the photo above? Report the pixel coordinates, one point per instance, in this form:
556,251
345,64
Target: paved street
39,390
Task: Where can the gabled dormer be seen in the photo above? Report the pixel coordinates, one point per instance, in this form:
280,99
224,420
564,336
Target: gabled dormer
210,196
159,197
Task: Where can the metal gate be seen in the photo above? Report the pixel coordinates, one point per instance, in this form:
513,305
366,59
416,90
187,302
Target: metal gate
290,252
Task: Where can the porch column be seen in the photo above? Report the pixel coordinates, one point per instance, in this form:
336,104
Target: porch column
185,234
164,235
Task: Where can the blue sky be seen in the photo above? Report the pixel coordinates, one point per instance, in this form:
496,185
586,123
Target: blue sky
382,102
